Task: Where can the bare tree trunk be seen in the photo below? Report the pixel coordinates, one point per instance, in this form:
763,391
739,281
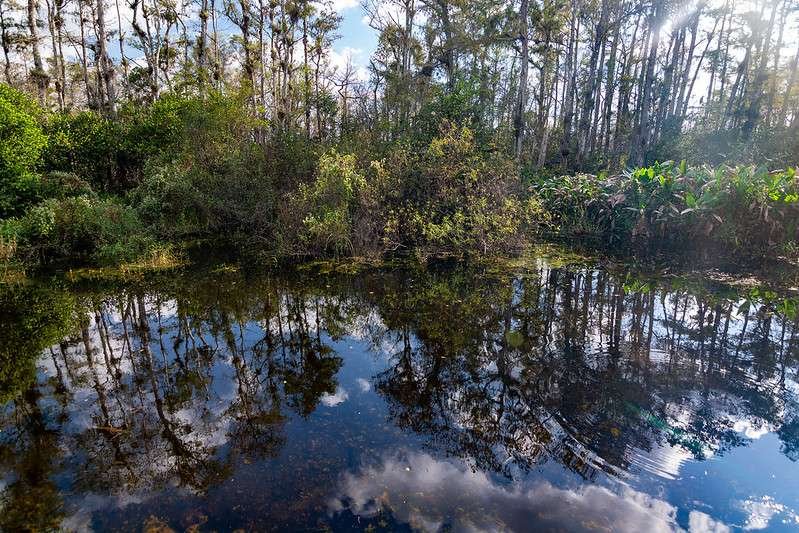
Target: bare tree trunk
39,75
743,66
121,43
683,113
725,62
59,51
106,67
590,142
686,72
713,67
449,45
261,61
307,75
202,46
590,86
787,99
84,59
51,24
623,117
777,51
663,103
149,45
5,41
521,100
610,88
756,90
542,154
641,137
569,85
217,56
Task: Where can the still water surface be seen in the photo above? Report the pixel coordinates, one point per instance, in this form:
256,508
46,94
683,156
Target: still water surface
534,397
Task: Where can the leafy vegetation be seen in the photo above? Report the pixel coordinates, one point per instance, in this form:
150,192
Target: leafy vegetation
21,145
103,191
743,208
474,128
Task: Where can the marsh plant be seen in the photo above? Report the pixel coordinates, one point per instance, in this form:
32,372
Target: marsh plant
744,208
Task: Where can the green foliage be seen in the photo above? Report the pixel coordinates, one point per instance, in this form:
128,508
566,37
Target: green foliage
217,182
458,106
745,207
113,155
453,197
88,145
21,145
207,168
458,197
79,229
329,202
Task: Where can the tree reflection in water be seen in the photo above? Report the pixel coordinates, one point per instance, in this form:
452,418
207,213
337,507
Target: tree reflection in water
586,369
184,381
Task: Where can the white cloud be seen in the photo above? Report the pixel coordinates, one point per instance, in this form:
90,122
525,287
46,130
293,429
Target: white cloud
760,512
752,430
364,385
332,400
341,5
699,522
339,60
425,493
89,503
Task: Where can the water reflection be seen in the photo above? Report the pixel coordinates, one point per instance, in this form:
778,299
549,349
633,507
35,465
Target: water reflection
422,491
583,369
405,398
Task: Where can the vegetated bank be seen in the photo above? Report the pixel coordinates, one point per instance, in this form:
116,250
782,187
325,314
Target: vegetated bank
87,189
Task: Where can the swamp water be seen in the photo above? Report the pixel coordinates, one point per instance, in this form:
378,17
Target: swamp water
533,397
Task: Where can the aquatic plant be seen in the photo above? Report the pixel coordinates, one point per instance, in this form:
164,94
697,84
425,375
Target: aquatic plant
665,204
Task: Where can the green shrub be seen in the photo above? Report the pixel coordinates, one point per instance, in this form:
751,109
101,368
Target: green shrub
112,155
328,204
217,183
80,229
668,204
21,145
88,145
458,197
233,203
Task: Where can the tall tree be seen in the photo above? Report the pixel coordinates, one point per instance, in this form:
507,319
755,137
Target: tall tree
524,64
40,77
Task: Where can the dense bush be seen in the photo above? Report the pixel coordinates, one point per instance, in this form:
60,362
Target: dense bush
85,144
21,145
216,180
113,154
86,188
79,229
327,205
456,196
452,197
745,208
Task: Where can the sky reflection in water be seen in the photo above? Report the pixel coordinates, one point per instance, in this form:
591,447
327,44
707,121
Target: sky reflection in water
462,399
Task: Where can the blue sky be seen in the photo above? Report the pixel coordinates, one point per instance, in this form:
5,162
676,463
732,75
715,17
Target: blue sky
357,40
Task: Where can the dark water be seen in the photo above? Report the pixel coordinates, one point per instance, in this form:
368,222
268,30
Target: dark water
452,399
